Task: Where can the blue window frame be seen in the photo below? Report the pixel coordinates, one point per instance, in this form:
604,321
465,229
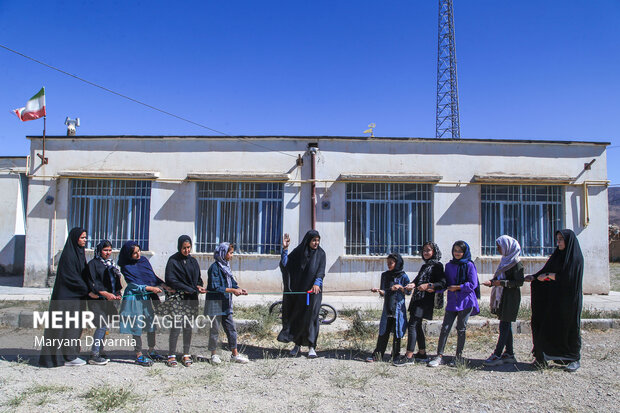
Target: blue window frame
531,214
116,210
247,214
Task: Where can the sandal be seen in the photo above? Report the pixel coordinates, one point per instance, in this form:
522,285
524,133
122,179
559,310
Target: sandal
187,360
144,361
172,361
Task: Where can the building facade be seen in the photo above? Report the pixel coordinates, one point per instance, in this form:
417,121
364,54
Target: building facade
371,196
14,190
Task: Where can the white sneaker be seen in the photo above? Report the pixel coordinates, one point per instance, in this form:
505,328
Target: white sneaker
215,359
294,351
239,358
75,362
311,353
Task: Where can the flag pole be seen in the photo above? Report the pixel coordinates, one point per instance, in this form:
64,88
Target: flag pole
43,158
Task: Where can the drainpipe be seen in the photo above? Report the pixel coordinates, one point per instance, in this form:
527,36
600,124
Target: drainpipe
313,148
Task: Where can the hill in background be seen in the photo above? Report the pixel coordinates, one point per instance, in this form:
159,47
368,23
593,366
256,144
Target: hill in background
614,205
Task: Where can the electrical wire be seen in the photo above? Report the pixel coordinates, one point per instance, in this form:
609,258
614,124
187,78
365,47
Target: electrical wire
140,102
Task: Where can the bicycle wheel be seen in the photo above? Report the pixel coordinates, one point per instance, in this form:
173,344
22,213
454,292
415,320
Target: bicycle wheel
276,307
327,314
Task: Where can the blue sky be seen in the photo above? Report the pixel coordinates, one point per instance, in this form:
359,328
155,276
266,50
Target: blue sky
527,69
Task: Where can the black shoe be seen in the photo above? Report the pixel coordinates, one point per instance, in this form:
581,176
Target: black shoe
421,358
403,361
98,360
572,367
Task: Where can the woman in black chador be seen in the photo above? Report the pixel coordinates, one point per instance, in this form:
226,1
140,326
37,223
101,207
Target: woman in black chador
556,304
70,292
302,270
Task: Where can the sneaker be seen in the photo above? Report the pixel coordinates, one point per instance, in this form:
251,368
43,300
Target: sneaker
403,361
312,353
435,362
494,360
156,357
172,361
456,360
294,352
239,358
572,367
421,357
215,359
509,358
98,360
75,362
144,361
186,360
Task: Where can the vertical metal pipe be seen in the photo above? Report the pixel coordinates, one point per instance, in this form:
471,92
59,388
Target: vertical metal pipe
313,186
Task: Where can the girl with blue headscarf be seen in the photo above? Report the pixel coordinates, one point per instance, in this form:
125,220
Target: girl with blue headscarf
137,312
462,282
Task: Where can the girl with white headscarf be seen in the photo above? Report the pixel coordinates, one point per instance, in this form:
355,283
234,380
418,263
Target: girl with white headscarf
506,297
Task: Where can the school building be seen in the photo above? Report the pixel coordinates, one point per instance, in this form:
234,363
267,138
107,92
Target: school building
367,196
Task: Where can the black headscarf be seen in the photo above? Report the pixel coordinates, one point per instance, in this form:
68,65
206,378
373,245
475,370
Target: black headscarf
388,279
110,270
398,267
139,271
70,278
305,264
183,272
426,271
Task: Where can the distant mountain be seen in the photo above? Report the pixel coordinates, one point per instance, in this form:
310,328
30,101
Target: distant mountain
613,195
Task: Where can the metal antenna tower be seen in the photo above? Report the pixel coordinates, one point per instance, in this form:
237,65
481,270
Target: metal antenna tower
447,122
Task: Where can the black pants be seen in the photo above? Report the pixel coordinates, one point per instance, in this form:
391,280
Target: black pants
150,337
383,339
415,334
505,338
174,337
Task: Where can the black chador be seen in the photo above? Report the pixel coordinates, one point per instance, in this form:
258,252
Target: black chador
556,305
302,269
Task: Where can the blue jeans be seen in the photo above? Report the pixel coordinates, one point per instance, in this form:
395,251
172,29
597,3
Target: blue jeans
97,338
461,328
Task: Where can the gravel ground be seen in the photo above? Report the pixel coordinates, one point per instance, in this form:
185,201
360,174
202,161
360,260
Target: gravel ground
338,380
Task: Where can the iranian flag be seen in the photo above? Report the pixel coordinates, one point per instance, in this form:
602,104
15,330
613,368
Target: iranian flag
35,108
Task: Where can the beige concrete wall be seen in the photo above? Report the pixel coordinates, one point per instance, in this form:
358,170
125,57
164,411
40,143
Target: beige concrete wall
456,202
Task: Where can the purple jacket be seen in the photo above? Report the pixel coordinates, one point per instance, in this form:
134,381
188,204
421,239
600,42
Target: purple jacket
466,298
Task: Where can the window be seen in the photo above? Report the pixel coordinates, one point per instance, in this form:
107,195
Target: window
384,218
248,214
529,213
116,210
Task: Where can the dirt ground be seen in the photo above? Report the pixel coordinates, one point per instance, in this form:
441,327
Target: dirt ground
339,380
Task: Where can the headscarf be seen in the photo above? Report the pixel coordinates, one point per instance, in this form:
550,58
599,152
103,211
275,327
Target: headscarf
70,281
220,257
304,264
182,240
426,270
461,273
140,271
183,271
113,270
511,251
398,267
72,259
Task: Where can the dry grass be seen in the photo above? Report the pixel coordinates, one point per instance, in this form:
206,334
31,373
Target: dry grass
614,276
